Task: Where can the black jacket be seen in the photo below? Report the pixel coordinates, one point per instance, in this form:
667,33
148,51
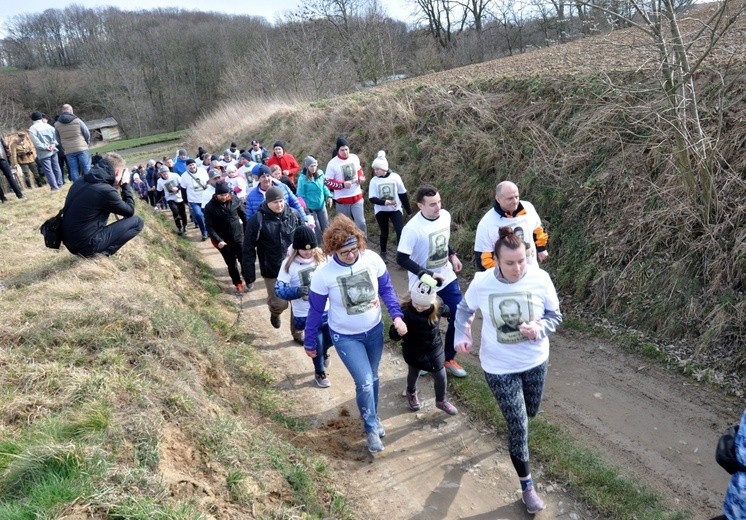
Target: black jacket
269,235
225,221
93,198
422,346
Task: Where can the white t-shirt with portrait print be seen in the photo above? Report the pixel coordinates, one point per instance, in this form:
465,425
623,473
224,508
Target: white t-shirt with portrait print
299,274
504,350
352,292
194,184
426,243
387,188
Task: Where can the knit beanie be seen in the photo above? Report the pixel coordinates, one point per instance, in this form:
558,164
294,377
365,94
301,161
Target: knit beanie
274,193
181,152
280,144
381,162
261,169
246,155
423,293
163,169
36,116
190,161
341,141
308,161
214,174
304,238
221,188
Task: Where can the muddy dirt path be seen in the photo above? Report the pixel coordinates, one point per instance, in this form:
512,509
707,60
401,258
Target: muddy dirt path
659,427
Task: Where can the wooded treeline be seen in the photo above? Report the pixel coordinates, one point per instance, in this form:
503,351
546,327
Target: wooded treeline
157,70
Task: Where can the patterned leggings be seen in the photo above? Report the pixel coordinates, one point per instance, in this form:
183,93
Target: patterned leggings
518,396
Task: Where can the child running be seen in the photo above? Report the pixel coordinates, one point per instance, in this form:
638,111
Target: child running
293,284
422,346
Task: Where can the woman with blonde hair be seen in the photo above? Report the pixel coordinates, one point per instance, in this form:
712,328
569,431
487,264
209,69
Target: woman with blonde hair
354,281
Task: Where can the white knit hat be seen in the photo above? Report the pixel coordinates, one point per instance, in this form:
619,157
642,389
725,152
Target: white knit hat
423,294
381,162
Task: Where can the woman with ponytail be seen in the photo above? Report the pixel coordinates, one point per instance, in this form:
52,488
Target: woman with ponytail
520,309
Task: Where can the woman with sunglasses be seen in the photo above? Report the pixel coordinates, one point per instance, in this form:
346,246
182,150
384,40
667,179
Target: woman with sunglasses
354,281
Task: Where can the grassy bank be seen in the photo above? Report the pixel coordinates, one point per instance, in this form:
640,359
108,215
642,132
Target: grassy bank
626,242
127,393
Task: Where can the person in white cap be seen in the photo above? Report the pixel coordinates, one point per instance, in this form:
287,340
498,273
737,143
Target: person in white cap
422,346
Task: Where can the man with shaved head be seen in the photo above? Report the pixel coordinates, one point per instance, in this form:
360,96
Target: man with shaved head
74,137
509,210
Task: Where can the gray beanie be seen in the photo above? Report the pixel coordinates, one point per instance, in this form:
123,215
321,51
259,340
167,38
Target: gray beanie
163,169
308,161
274,193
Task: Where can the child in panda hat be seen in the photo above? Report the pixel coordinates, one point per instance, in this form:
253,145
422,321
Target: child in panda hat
422,346
294,284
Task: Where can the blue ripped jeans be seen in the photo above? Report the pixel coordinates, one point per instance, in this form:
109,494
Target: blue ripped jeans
361,354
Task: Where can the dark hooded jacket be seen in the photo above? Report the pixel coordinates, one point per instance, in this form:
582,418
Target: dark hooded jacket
93,198
224,221
268,235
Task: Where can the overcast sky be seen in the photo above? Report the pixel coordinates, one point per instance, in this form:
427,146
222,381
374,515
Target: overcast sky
269,9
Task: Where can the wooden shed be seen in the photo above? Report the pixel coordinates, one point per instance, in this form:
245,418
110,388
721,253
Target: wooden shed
106,129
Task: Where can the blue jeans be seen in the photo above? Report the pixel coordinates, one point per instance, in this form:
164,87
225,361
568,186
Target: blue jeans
78,163
361,354
198,216
451,296
323,341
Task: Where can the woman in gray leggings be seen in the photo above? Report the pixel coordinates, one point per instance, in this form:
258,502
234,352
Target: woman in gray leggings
520,309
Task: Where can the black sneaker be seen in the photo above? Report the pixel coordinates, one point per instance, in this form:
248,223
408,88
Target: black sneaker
274,319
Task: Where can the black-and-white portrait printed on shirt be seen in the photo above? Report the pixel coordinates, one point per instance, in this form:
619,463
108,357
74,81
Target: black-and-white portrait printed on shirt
438,249
348,172
386,191
507,312
305,275
358,293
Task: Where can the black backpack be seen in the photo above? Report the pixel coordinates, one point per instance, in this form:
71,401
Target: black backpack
51,229
725,454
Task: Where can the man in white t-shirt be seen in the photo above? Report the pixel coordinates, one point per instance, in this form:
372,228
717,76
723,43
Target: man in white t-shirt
508,210
424,248
194,181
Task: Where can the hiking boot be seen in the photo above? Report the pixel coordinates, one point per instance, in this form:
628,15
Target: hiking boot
455,369
380,430
446,407
204,238
374,442
327,361
274,319
534,504
413,401
321,380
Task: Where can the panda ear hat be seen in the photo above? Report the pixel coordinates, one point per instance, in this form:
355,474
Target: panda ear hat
423,294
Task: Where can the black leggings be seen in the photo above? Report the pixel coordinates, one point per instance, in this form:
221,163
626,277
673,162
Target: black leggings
518,396
396,218
439,377
178,210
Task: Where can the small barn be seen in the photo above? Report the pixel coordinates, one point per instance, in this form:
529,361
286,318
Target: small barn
106,129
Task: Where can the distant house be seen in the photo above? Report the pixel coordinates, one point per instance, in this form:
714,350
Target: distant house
106,129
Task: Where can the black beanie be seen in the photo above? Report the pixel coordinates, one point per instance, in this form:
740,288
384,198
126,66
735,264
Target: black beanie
274,193
190,161
341,141
304,238
280,144
221,187
36,116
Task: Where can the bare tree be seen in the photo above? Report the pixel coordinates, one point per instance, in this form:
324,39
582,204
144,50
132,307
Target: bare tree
681,53
444,19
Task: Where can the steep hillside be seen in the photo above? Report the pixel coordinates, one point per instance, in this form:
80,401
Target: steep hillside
578,128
